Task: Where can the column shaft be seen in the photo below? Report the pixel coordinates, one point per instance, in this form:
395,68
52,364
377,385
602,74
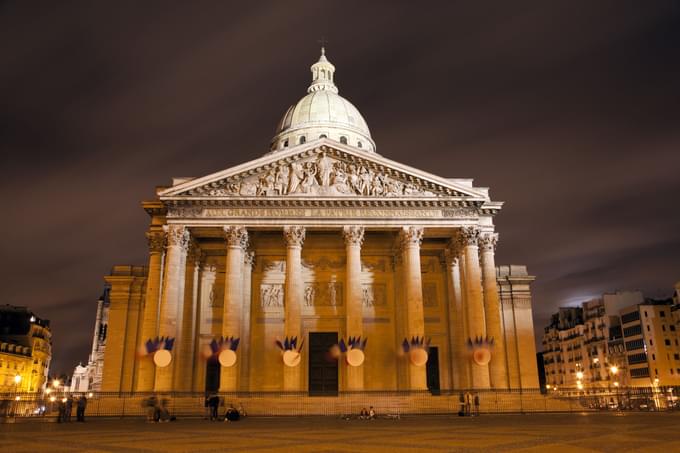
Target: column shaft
354,236
293,295
172,298
460,364
413,289
498,370
249,261
474,303
237,241
149,326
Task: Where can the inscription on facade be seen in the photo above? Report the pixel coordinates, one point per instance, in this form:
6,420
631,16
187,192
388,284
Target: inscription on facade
411,213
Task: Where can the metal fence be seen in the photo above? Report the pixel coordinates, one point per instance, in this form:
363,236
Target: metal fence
137,404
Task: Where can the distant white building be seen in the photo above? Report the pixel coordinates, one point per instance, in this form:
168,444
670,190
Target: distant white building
89,377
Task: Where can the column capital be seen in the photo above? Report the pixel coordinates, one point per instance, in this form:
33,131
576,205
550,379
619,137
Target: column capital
294,235
249,258
468,236
488,241
451,256
410,236
236,236
156,241
353,235
177,236
194,253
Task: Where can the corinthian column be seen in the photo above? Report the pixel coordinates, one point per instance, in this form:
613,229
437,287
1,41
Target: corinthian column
177,237
411,238
457,325
184,366
237,241
474,306
248,263
354,236
498,370
293,295
145,367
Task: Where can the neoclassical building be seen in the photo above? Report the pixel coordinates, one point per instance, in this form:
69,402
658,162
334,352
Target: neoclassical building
320,267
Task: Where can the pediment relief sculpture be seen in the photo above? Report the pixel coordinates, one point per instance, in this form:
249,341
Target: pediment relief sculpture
322,174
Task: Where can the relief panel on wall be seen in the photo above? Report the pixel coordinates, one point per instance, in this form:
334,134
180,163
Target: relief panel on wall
374,295
323,294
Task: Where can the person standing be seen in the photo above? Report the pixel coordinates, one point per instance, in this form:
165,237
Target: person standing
477,404
468,403
61,408
80,409
69,409
214,405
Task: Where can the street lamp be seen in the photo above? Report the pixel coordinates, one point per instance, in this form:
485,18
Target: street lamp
17,381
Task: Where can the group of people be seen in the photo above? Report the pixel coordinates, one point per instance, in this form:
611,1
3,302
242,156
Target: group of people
65,409
212,404
467,402
157,410
367,414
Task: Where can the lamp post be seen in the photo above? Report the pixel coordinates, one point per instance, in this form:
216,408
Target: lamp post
17,381
613,371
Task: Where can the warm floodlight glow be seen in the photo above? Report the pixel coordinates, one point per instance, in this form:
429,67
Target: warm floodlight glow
17,379
579,375
616,384
614,369
56,383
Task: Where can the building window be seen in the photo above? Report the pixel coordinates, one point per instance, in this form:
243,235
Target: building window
359,144
671,370
676,356
645,313
667,342
672,327
303,139
653,356
663,327
647,327
323,136
285,143
651,342
343,140
662,314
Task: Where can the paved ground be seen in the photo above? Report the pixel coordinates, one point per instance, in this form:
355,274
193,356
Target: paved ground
539,432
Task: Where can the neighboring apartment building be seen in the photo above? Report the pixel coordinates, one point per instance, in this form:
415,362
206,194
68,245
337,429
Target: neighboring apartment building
652,341
25,350
583,346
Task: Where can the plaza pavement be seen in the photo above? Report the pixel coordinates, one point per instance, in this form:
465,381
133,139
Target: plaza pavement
595,432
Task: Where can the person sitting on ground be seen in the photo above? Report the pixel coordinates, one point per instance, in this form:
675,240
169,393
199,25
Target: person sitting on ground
241,410
363,415
231,415
371,414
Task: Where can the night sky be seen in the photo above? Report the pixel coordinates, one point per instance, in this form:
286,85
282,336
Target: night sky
569,112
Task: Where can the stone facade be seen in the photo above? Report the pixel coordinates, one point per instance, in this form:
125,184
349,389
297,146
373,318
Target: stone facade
252,268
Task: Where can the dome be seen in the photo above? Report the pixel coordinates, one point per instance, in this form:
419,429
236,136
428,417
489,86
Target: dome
322,113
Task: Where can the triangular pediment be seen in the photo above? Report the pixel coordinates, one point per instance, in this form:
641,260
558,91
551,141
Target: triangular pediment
322,169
